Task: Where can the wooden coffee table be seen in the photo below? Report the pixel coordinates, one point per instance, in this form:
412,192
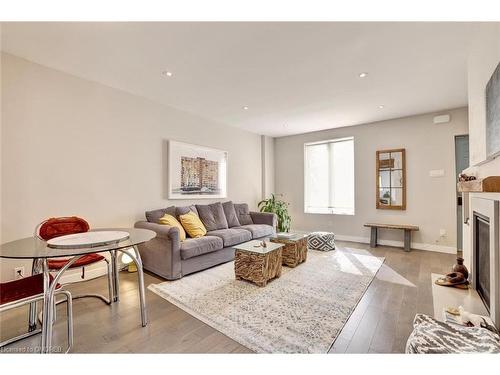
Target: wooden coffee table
295,250
256,263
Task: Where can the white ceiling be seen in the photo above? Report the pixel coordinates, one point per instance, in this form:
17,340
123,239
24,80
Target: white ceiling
294,77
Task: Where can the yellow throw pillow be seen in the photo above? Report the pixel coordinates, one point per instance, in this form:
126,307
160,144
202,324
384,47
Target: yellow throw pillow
172,221
193,225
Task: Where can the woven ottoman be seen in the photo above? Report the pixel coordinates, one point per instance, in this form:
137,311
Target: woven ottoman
323,241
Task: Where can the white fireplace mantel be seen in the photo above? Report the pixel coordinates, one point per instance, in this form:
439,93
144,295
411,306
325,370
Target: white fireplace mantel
486,205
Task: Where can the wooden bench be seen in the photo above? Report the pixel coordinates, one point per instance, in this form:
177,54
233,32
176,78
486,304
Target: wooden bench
407,229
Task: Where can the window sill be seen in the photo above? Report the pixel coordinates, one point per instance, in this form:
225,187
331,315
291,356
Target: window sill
331,212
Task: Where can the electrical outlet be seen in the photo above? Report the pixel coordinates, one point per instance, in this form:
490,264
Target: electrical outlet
18,273
442,232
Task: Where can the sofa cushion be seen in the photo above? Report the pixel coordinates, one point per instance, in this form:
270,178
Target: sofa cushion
258,230
232,236
192,225
155,215
184,210
212,216
243,213
193,247
230,212
172,221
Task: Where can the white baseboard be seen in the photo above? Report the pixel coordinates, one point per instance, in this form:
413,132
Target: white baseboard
414,245
75,275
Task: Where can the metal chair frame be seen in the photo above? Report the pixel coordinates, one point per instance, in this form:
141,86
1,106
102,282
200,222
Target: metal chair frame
111,267
33,300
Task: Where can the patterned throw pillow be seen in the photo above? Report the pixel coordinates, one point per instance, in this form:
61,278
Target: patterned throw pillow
324,241
431,336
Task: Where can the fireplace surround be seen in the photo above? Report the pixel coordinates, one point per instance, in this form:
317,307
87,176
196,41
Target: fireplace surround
485,257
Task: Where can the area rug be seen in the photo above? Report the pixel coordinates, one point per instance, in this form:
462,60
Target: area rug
301,312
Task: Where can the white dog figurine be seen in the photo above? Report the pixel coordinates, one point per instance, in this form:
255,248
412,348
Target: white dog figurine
475,320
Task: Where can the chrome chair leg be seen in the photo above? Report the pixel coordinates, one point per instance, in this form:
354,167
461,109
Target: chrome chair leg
109,268
69,316
116,276
136,257
32,316
48,299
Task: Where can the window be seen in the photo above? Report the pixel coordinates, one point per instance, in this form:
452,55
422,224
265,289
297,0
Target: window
329,177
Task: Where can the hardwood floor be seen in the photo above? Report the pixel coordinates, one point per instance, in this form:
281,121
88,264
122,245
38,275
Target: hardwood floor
380,323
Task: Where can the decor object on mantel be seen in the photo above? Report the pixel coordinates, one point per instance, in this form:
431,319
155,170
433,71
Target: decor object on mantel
453,279
490,184
460,267
474,320
280,208
463,177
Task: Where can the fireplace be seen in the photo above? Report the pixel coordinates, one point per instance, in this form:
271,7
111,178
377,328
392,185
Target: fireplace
482,257
485,275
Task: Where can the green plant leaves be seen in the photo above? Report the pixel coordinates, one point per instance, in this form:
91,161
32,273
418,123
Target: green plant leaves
280,208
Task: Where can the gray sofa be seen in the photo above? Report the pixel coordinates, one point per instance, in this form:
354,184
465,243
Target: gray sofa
227,225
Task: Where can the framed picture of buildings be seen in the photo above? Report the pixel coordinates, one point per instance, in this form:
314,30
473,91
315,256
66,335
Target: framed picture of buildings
196,172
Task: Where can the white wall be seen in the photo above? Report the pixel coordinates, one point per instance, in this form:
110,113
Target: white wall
267,166
75,147
430,201
483,59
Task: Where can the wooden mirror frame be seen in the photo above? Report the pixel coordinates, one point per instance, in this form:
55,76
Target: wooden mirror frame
403,187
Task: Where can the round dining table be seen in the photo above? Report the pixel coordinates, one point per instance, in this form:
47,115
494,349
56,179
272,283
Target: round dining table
40,251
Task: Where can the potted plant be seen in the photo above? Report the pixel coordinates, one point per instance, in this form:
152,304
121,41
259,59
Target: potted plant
280,208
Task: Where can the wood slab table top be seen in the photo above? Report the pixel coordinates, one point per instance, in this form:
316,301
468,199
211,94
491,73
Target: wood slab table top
392,226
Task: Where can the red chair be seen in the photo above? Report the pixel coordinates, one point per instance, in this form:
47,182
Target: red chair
29,290
60,226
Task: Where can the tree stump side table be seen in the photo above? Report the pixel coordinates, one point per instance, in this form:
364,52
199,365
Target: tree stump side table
257,264
295,250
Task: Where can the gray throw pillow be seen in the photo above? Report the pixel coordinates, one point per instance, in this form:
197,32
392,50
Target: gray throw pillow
155,215
184,210
230,212
243,213
212,216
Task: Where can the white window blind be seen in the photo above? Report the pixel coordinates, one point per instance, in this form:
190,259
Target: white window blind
329,177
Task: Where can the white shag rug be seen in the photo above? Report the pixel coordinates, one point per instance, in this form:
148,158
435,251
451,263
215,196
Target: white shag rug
303,311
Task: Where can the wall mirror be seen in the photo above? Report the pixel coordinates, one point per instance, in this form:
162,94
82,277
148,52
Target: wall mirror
391,179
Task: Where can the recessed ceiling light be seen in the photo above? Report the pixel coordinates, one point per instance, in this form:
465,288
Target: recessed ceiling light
381,106
166,73
363,74
245,107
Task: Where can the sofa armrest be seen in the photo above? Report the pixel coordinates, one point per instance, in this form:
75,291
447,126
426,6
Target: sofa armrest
161,255
268,218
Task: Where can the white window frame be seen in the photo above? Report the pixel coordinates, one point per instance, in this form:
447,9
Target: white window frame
332,210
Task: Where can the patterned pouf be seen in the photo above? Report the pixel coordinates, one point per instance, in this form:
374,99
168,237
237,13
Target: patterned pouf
434,337
324,241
